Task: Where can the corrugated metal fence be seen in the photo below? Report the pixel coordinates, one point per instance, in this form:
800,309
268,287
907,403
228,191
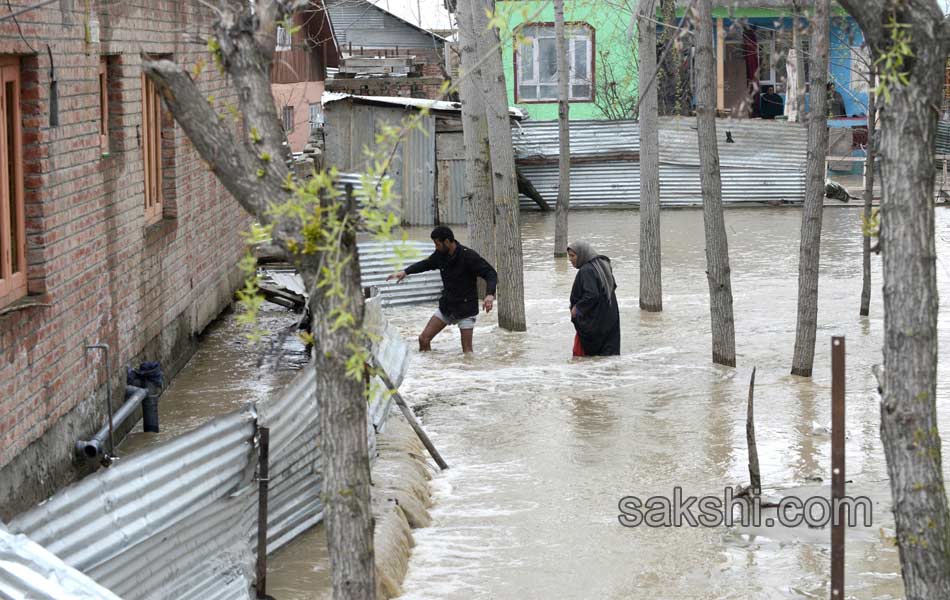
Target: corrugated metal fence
380,259
29,571
179,520
763,161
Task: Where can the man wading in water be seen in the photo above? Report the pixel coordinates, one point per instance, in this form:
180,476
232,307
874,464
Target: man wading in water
460,267
594,310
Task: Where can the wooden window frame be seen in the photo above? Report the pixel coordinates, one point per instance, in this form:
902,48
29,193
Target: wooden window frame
591,63
13,278
104,105
152,150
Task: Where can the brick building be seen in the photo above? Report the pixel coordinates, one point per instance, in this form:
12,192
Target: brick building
113,230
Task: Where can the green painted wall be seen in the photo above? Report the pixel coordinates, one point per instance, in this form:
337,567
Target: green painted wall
614,49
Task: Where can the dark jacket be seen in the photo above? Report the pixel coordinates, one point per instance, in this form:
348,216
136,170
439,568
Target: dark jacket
597,321
459,280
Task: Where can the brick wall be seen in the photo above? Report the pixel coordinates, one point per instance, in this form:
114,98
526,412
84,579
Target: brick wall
97,273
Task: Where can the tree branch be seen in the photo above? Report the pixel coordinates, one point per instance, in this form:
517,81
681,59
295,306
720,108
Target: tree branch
215,142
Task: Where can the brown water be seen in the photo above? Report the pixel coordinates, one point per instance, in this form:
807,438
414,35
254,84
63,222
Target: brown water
226,372
542,446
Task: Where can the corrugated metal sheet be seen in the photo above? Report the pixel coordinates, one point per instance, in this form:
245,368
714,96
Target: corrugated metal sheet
540,138
765,161
366,25
943,137
452,191
140,522
27,570
418,174
378,261
617,183
758,144
179,520
352,127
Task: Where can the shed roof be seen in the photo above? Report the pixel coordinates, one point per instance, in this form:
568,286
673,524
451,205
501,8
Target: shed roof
420,103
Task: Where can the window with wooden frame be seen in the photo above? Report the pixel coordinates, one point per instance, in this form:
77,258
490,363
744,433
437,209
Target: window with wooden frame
12,216
104,105
152,149
535,63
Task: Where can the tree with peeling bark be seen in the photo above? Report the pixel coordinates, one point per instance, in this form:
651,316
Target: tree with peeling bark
717,246
651,289
909,42
508,251
481,209
564,134
806,325
253,168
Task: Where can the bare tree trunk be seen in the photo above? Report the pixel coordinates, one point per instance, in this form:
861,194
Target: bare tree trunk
564,134
717,246
809,251
868,198
908,407
341,402
481,209
507,214
255,173
651,288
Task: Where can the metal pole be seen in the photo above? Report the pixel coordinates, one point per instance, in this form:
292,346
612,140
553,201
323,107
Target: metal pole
105,349
263,434
837,467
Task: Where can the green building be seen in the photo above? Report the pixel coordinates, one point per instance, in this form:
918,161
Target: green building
602,51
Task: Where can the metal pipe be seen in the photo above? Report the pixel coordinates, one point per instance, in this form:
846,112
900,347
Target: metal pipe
95,446
105,349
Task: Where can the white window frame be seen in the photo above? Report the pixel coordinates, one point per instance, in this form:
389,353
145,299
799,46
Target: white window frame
767,74
575,32
284,40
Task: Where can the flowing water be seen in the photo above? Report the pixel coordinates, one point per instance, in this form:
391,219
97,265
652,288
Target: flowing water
542,446
226,372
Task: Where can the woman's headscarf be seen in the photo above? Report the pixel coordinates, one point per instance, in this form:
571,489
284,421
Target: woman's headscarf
586,254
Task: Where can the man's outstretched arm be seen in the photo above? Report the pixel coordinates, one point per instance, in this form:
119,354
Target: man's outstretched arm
426,264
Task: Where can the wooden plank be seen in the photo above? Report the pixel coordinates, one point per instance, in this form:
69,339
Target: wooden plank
449,146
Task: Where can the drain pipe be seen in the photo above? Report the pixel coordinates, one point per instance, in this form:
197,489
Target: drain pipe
105,349
96,446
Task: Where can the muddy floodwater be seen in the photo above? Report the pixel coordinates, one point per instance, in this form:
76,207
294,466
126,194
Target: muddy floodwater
226,372
542,446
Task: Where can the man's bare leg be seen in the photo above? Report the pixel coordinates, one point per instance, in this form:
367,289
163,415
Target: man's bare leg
433,327
466,339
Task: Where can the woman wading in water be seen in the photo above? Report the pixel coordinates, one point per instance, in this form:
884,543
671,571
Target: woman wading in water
594,310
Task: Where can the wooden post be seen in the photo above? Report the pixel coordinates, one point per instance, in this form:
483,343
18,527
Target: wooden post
755,478
262,478
720,65
411,418
837,467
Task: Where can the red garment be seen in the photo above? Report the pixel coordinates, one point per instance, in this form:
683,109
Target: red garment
578,349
